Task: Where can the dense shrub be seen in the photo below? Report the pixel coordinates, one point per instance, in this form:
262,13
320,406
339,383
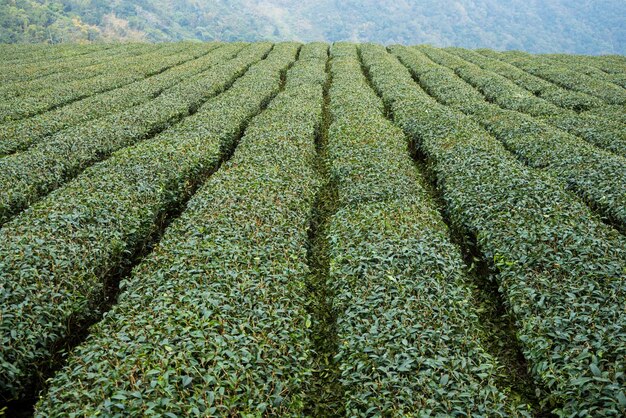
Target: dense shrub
599,177
34,61
213,322
26,176
115,208
408,341
564,98
607,134
87,68
561,271
563,76
594,67
20,134
114,74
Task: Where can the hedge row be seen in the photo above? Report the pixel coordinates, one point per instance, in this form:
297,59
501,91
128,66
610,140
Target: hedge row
599,177
213,322
86,231
567,99
562,75
20,134
607,134
119,74
35,53
86,68
12,53
612,112
20,74
561,271
18,78
611,64
407,330
604,70
580,102
50,60
26,176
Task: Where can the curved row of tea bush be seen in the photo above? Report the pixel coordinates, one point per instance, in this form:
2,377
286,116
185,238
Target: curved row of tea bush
408,340
17,74
611,64
90,229
602,69
20,134
612,112
561,271
567,99
562,75
50,60
119,74
213,322
28,175
35,53
607,134
605,62
599,177
85,69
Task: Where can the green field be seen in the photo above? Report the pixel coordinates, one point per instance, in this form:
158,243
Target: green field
258,229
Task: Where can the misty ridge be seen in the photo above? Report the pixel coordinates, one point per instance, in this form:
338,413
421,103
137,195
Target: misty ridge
578,26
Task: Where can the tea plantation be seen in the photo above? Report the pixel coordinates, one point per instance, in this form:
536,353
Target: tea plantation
258,229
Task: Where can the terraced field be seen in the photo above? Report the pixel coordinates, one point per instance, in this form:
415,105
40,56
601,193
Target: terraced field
266,229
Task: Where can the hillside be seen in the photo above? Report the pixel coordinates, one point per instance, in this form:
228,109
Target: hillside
258,229
590,27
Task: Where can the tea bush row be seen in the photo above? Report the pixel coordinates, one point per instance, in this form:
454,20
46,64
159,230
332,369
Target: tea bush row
563,76
213,322
408,340
28,175
607,134
589,65
599,177
85,69
20,134
28,62
87,231
119,73
544,89
561,271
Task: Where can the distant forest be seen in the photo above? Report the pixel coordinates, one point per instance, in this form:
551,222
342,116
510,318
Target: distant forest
574,26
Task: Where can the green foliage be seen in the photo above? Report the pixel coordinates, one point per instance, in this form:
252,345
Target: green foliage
544,89
606,70
25,55
19,84
598,122
561,270
38,61
599,177
213,321
98,221
19,135
28,175
320,227
108,76
611,112
408,335
566,77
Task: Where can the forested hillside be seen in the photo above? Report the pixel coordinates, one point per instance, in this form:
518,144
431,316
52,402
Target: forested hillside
580,26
